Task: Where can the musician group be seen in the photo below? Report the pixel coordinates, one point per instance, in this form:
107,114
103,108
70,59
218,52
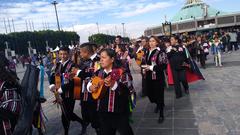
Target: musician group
100,77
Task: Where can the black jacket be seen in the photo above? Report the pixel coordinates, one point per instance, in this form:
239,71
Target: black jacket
159,60
177,58
120,96
87,71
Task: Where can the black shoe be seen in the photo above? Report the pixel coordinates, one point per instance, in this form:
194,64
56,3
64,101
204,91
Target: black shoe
161,119
187,92
161,115
42,100
40,132
98,131
156,109
84,129
178,97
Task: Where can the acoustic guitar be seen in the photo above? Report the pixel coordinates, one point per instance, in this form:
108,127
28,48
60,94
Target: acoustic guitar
58,85
97,81
77,84
140,55
77,88
102,89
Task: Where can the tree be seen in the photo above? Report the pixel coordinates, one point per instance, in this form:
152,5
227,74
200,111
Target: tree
18,40
102,39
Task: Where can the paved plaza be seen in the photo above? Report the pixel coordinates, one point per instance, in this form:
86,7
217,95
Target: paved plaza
212,108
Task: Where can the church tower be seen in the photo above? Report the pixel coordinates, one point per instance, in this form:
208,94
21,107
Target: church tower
193,2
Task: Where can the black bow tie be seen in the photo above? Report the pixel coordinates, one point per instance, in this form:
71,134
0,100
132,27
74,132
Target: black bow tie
105,75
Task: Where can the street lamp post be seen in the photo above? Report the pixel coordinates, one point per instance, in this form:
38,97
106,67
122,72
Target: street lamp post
97,27
216,19
47,47
61,45
123,29
55,7
29,48
5,25
7,50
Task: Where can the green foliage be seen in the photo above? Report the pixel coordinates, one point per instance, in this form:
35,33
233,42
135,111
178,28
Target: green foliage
18,41
102,39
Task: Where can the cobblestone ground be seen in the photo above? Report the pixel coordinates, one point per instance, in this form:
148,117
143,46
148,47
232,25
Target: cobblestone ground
213,107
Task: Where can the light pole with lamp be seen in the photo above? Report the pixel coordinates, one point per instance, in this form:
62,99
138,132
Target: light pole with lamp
123,29
216,19
97,27
55,7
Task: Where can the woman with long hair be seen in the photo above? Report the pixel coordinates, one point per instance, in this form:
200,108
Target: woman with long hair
154,66
9,97
122,55
113,105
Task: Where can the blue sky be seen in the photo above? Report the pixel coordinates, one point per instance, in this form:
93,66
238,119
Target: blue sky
82,15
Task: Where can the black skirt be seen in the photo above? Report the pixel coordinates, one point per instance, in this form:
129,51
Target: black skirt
155,91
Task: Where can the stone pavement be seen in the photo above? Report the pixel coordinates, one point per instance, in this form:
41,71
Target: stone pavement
213,107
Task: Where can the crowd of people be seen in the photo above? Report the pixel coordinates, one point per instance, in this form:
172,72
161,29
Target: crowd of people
100,77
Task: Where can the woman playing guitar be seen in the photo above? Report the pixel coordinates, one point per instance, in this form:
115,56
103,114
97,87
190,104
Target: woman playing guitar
113,105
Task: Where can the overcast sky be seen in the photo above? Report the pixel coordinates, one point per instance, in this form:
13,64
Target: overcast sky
82,15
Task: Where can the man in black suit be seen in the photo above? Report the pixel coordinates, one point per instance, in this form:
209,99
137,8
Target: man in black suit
90,64
178,61
66,100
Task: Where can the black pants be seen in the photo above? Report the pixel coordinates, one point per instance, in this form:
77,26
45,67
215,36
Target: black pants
144,91
229,45
179,76
202,58
224,47
90,114
12,123
112,122
235,44
68,114
7,116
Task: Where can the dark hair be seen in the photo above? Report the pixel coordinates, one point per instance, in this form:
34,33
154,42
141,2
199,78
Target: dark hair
145,38
95,46
66,49
122,47
156,38
216,37
166,39
7,74
88,46
176,38
118,36
199,36
112,54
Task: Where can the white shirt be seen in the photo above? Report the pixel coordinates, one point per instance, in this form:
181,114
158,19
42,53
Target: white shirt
150,52
64,63
93,56
139,49
52,86
151,67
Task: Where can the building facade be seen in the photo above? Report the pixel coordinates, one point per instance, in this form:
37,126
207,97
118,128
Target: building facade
197,16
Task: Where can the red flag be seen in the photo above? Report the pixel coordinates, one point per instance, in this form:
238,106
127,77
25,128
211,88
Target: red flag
191,76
